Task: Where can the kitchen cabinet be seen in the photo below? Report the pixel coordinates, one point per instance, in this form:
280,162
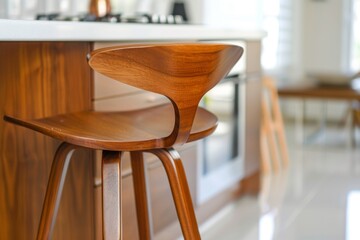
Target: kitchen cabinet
40,79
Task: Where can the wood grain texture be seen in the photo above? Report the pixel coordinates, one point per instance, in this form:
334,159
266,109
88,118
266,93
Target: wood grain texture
164,212
41,80
181,72
54,190
111,195
180,191
129,225
126,131
141,192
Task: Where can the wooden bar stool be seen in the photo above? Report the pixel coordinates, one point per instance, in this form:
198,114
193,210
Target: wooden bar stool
181,72
274,154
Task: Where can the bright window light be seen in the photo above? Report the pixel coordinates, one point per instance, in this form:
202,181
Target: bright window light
267,226
355,52
353,216
277,45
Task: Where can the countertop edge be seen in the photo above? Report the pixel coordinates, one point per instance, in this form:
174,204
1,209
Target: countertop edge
30,30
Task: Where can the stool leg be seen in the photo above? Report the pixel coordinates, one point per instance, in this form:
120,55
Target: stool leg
141,196
283,146
111,195
180,191
264,150
54,189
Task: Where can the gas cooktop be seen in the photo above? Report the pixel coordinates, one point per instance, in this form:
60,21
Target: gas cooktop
116,18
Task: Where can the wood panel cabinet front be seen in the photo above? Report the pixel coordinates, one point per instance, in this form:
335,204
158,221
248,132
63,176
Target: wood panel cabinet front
40,79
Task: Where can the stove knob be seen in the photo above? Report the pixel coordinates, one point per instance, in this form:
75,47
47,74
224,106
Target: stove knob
170,19
178,19
163,19
155,18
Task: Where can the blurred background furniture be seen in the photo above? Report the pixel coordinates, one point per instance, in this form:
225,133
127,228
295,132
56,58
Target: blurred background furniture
313,90
274,154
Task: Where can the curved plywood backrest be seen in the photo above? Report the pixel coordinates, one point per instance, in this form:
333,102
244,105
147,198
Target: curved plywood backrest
183,72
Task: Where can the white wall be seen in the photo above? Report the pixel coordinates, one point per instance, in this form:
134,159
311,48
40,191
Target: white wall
27,9
297,32
324,36
195,10
233,13
319,37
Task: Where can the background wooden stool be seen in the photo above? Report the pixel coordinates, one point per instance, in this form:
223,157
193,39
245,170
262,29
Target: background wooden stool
181,72
274,153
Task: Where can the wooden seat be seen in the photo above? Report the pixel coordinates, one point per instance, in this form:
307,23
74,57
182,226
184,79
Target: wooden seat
140,130
181,72
274,155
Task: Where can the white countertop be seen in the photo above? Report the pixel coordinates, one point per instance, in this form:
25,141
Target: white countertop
23,30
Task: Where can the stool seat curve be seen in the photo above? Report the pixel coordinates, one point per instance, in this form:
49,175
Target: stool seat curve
121,131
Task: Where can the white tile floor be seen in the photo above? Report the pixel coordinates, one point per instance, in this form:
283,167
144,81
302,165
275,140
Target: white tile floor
317,197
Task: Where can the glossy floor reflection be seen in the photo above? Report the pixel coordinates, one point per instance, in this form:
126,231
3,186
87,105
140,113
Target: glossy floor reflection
317,197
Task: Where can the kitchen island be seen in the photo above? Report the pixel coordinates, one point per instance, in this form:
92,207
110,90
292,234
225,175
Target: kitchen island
44,72
20,30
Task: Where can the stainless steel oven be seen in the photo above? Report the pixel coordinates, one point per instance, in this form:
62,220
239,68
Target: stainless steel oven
222,154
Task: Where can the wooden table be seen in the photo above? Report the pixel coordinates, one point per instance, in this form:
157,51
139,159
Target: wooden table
307,90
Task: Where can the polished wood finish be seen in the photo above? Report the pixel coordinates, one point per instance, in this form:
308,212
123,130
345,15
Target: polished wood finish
140,129
110,95
162,204
41,79
180,190
54,189
111,195
250,184
195,69
183,73
141,196
274,155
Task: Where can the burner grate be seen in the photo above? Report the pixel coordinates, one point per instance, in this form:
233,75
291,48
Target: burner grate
115,18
